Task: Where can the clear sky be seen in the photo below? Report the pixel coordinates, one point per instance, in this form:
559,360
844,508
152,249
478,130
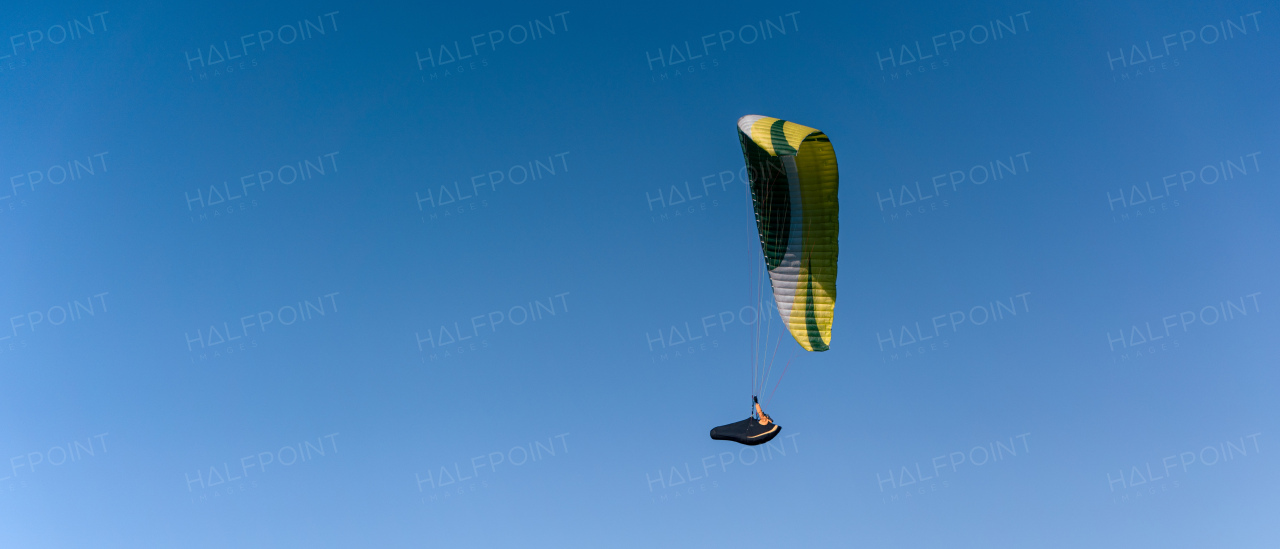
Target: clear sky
340,275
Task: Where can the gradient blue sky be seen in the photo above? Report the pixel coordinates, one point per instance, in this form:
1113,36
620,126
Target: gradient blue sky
1085,408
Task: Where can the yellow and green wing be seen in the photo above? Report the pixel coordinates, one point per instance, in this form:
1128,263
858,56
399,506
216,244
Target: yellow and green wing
794,183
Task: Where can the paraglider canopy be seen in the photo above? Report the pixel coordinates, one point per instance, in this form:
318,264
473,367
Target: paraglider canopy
794,182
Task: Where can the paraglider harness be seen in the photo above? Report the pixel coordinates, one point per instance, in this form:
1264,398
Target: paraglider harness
757,429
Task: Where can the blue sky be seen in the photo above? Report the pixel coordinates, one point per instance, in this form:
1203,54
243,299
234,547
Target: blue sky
316,285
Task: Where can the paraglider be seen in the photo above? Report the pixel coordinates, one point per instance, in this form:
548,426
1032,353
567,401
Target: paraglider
793,183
